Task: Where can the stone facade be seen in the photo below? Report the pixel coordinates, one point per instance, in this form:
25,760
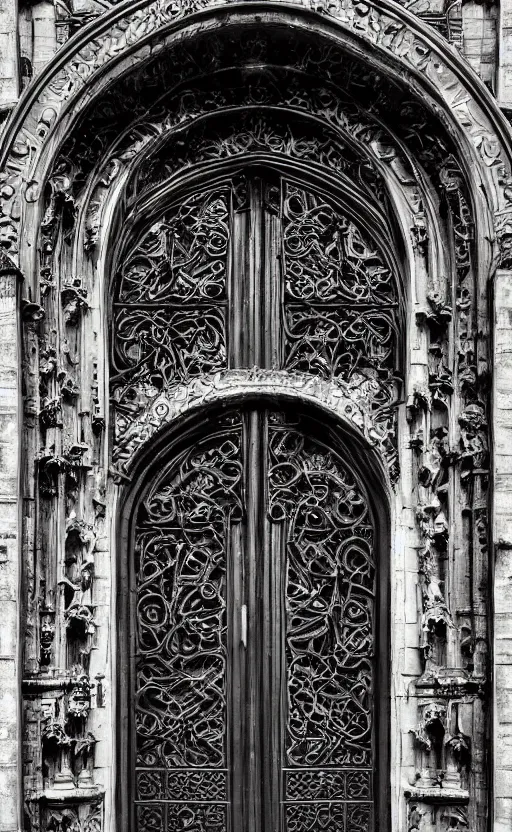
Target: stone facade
155,150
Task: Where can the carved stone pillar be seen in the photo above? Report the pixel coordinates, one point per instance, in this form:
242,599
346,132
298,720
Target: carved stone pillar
502,404
9,546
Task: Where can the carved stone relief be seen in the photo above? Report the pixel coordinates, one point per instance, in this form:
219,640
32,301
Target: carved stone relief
389,33
341,347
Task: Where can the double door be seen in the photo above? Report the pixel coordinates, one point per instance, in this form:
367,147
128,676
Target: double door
253,678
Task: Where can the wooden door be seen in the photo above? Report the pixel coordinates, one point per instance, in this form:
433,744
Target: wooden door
254,673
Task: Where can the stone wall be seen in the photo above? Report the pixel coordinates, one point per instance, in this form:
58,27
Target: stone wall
10,547
503,550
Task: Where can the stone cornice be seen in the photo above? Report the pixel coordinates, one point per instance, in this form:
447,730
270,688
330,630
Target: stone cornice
437,795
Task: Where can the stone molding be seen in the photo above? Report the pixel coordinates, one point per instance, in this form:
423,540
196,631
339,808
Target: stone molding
424,56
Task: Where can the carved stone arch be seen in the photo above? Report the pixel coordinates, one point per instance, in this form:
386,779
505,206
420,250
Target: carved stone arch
440,427
393,31
156,126
325,431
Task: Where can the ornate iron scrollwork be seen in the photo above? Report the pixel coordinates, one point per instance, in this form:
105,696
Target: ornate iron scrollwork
329,601
177,298
180,703
185,293
184,562
169,314
340,297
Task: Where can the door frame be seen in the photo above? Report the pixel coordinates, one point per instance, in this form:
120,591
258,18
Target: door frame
367,465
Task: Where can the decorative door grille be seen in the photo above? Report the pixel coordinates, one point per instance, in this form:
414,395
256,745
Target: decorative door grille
258,272
254,576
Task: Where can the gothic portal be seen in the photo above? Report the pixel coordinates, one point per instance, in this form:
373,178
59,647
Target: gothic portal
254,693
255,525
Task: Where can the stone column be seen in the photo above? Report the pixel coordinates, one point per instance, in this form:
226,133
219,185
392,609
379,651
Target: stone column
10,515
45,35
8,53
502,510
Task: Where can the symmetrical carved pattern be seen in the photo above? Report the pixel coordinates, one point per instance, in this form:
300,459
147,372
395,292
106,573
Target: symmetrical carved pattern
310,105
181,818
169,315
256,132
338,319
181,784
327,258
183,256
340,297
345,784
331,817
183,560
330,585
180,568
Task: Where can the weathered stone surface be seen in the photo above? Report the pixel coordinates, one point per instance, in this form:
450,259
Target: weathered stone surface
367,108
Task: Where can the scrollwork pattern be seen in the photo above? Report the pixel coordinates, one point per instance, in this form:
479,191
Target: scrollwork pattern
308,817
180,566
327,257
329,601
169,318
333,342
340,296
182,257
328,817
206,817
254,132
177,817
328,784
168,345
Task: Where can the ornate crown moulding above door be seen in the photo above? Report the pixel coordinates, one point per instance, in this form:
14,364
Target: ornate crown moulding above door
346,402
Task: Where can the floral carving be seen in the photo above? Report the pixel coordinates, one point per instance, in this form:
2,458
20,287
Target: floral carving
87,817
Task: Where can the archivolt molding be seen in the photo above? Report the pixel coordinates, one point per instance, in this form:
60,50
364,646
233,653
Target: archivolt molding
377,157
349,404
428,62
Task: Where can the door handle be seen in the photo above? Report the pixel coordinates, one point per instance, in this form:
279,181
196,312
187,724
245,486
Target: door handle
243,624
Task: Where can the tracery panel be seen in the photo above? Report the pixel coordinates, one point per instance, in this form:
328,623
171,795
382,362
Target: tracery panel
207,556
170,303
329,632
340,297
259,272
181,543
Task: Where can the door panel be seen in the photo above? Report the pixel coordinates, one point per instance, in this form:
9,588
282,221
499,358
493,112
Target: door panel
329,592
181,560
254,577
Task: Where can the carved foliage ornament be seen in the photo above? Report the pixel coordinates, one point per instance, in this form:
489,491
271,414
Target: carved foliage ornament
277,87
